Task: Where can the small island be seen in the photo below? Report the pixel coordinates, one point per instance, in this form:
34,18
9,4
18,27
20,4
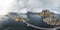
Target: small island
21,19
50,17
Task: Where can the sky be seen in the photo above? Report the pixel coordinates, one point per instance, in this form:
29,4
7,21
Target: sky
37,5
52,5
5,6
23,6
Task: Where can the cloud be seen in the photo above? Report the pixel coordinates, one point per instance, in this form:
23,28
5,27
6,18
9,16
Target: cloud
34,5
44,4
4,6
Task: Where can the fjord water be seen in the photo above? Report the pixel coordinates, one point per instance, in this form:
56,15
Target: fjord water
35,19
